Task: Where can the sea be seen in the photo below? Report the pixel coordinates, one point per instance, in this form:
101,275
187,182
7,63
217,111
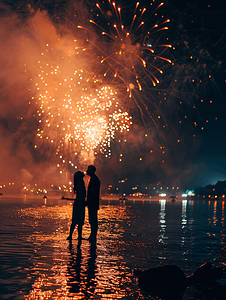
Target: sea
38,262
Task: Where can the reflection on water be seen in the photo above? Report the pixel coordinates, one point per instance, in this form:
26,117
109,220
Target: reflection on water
37,262
183,214
70,268
79,282
222,216
162,222
183,221
215,213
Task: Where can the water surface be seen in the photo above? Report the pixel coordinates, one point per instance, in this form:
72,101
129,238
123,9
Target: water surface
37,262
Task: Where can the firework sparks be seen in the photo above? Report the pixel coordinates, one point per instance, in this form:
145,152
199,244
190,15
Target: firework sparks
77,111
129,49
86,104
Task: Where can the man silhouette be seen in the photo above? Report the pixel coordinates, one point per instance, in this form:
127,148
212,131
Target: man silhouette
93,197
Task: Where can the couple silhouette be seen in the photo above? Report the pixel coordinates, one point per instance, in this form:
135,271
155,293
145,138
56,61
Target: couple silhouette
92,202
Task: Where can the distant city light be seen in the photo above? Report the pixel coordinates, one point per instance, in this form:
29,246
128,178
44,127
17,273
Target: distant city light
190,193
162,195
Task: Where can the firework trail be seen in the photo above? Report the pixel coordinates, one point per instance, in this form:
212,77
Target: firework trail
164,75
129,49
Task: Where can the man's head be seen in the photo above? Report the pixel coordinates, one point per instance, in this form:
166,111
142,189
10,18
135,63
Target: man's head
91,170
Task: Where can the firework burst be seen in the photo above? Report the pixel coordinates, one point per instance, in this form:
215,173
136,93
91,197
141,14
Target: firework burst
77,111
85,98
129,50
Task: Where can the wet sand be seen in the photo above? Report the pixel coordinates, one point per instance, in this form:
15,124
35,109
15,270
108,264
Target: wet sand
37,262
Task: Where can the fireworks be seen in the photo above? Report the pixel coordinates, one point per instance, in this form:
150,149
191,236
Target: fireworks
132,53
128,49
83,101
77,111
82,107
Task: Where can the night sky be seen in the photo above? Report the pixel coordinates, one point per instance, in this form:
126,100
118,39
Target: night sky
151,155
209,22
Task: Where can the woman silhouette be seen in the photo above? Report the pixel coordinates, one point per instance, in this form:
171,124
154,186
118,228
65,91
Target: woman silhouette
78,214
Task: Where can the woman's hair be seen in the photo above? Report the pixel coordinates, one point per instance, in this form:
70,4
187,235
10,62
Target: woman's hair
78,175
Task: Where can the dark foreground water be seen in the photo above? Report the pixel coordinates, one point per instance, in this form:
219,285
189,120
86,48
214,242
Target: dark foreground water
37,262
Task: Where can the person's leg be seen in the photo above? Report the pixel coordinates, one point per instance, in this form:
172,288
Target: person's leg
79,232
71,231
93,223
